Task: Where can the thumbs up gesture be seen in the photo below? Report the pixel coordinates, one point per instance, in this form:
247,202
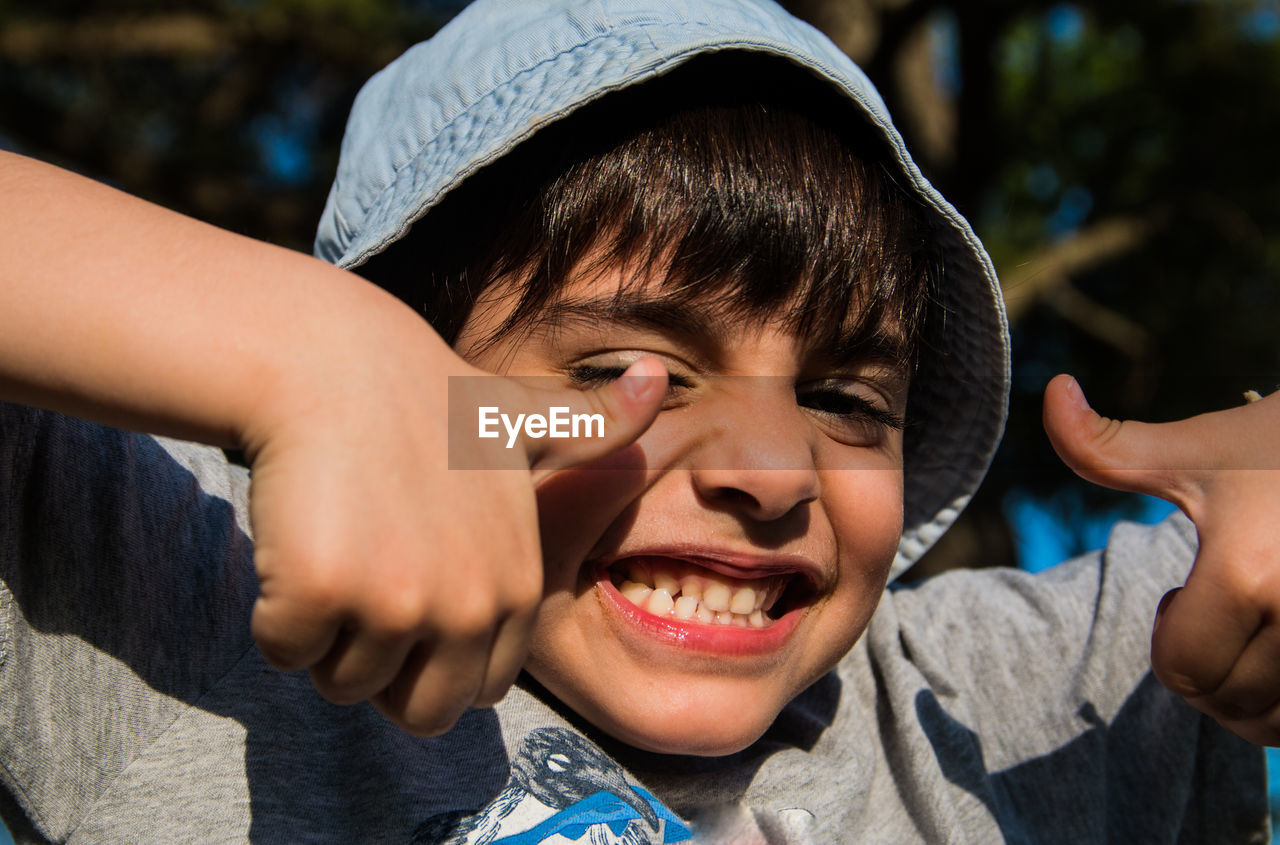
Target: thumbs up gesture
1217,638
399,561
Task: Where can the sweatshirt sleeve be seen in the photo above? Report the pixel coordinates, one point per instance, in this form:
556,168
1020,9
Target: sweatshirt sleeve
126,583
1034,693
1080,631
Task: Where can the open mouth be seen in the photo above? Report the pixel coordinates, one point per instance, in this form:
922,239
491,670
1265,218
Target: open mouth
685,592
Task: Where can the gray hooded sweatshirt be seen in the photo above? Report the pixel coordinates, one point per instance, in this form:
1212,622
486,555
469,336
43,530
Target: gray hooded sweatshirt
977,707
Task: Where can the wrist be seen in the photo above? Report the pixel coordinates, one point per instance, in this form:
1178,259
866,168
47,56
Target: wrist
344,351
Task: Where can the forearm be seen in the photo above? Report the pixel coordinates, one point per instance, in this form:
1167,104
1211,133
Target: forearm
120,311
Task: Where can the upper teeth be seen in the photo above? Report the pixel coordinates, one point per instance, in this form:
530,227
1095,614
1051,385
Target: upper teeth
706,597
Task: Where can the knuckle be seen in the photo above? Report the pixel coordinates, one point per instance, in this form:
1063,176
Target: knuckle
492,697
422,719
320,586
474,619
494,691
1186,681
396,615
474,613
526,605
601,401
1243,575
276,640
1112,431
337,690
524,595
278,655
592,401
1231,711
1242,584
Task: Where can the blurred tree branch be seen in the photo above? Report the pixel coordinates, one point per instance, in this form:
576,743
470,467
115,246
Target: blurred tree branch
1106,324
185,35
1051,268
188,107
177,34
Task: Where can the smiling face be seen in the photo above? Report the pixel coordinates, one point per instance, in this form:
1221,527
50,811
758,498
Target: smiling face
702,578
736,221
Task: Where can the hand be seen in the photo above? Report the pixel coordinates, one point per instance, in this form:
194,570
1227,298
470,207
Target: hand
386,573
1217,639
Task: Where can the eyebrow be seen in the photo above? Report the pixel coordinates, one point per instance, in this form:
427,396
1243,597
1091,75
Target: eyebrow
867,343
664,314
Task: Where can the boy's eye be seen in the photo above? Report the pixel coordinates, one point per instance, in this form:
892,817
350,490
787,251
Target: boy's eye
592,376
855,415
589,376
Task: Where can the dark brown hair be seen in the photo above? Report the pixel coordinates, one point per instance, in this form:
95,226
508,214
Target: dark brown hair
742,181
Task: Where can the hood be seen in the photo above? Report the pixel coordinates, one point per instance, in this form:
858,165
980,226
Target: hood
503,69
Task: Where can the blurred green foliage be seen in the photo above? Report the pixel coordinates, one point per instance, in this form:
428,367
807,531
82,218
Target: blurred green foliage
230,110
1162,117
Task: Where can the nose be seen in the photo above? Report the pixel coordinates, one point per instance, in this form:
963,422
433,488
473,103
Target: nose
764,495
762,465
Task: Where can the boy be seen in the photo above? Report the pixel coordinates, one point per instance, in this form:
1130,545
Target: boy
775,256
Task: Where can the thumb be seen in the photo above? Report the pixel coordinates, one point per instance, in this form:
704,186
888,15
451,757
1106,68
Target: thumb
1160,459
611,417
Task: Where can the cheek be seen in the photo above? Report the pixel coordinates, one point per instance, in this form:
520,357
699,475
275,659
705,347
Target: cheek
865,508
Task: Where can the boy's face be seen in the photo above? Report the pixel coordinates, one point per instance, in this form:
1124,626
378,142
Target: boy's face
770,483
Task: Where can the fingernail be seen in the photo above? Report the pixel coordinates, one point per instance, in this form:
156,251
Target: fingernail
636,387
1077,395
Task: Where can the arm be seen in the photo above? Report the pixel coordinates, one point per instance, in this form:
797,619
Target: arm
1217,639
96,283
378,569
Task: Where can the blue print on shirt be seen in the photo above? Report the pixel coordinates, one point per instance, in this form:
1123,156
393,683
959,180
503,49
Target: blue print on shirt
602,808
561,787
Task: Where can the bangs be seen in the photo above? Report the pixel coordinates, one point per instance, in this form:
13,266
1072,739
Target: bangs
750,205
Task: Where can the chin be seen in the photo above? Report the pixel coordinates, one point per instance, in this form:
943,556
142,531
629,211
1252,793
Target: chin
690,744
703,717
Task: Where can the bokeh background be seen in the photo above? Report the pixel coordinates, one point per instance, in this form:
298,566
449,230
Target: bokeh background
1118,157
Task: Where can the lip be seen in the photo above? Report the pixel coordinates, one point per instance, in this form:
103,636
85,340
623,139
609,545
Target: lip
739,565
716,640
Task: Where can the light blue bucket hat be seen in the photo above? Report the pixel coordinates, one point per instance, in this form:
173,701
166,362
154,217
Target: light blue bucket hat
503,69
